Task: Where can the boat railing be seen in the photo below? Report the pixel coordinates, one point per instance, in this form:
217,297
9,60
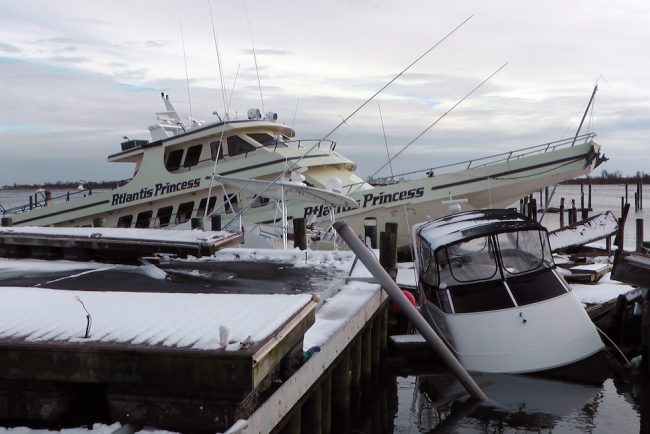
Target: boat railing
483,161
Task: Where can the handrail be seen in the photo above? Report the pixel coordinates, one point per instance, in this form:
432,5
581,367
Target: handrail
493,159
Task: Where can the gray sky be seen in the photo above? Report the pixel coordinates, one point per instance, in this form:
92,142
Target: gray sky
76,76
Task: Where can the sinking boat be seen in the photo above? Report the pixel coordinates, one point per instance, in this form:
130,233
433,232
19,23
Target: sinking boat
488,285
173,178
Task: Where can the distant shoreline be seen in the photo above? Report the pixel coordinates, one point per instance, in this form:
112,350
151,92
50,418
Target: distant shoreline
64,185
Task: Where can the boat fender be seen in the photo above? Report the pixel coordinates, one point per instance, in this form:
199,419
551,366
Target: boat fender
411,298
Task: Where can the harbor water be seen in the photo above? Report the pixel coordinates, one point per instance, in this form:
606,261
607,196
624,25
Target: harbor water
518,404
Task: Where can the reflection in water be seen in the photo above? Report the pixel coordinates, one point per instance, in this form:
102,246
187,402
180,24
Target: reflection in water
438,403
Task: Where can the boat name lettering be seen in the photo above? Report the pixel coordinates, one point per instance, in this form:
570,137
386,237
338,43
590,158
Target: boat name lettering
158,190
370,199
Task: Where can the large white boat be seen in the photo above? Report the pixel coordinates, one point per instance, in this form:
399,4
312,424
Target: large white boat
173,175
488,285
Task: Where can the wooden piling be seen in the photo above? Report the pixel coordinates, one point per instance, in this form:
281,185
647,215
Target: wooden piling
355,380
618,319
31,202
215,222
7,221
645,335
589,205
375,350
562,212
341,390
388,252
293,426
326,402
546,200
370,232
300,233
636,201
311,421
521,206
196,223
639,234
584,212
366,359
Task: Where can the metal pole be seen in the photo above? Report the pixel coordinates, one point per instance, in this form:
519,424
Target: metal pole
421,325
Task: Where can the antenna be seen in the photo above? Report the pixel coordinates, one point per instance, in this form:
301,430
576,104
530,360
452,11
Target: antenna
216,48
390,165
250,31
187,78
440,118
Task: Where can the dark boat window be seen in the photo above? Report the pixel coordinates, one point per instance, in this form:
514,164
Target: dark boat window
428,271
533,287
237,145
468,261
193,155
124,221
201,211
259,201
184,212
266,139
174,160
214,148
480,297
230,203
164,216
144,219
524,251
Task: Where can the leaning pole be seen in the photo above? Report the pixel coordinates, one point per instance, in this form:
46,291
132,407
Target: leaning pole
374,267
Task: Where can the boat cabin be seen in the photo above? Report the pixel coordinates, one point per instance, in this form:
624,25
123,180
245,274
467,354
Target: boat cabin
485,260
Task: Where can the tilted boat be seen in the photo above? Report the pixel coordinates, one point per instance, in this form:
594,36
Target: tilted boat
173,174
488,284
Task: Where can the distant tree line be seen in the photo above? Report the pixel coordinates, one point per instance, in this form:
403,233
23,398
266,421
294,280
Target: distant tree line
615,177
66,185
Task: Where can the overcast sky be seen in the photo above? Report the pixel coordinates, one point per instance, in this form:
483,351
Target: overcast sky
77,76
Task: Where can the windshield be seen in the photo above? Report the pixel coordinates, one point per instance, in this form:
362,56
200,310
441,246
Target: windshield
524,251
468,261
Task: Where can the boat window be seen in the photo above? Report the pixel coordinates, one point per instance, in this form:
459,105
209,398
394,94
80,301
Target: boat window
230,203
164,216
124,221
144,219
468,261
201,211
533,287
480,297
193,155
184,212
214,148
524,251
237,145
174,160
266,139
259,201
428,271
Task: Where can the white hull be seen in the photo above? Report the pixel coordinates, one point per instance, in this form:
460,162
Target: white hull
557,332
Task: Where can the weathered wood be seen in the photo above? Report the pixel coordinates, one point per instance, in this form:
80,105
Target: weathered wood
645,335
355,361
388,251
326,402
370,232
300,233
311,413
375,349
341,394
366,359
294,423
562,212
639,234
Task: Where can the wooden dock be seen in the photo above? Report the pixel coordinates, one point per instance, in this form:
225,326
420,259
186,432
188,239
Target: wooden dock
109,244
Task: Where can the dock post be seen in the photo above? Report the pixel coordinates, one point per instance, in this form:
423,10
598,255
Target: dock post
7,221
31,202
521,206
589,205
355,380
395,293
636,201
293,426
608,245
366,360
618,319
562,212
388,252
341,394
645,335
524,206
299,233
326,404
99,222
311,413
215,221
639,234
384,330
546,201
623,202
375,350
370,232
584,214
196,223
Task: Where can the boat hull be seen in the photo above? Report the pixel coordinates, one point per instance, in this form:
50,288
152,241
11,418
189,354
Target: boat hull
538,337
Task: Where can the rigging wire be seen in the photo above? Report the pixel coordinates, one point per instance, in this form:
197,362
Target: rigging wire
216,48
250,32
187,77
440,118
390,165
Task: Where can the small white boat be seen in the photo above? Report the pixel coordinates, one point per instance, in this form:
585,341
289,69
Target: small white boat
488,285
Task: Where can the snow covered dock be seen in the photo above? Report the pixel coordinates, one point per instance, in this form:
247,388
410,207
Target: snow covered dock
109,243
